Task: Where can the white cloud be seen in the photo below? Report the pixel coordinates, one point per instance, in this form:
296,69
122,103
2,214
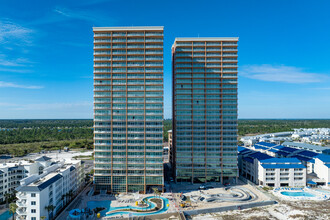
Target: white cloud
281,73
17,62
14,85
14,33
96,18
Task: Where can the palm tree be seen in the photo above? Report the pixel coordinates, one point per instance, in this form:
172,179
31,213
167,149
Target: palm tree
70,194
143,203
42,217
155,191
63,199
7,197
50,209
12,209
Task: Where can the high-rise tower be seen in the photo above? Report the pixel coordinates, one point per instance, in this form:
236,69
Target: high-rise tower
205,109
128,108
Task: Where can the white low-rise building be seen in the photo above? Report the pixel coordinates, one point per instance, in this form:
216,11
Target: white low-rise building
266,170
281,172
322,168
50,188
11,173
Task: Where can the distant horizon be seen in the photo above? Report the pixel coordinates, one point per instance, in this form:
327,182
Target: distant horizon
165,119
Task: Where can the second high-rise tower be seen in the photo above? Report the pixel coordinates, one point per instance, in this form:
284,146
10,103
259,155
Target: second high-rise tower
205,109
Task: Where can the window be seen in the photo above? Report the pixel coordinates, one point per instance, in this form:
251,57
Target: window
33,211
33,218
33,195
33,202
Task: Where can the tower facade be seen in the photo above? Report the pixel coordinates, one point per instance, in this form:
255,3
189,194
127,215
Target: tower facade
205,109
128,108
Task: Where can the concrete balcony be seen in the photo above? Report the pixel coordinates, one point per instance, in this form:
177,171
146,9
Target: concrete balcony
21,211
21,203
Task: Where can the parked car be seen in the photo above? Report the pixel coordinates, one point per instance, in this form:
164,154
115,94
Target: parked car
204,187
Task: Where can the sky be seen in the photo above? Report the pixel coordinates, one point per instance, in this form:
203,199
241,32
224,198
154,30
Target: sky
46,52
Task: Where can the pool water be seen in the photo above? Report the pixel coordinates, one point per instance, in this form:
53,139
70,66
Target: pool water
5,216
323,191
106,203
295,194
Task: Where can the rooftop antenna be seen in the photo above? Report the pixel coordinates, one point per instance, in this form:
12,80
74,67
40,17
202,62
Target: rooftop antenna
198,35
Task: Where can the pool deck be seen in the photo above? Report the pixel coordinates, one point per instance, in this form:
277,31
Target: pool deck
318,196
174,199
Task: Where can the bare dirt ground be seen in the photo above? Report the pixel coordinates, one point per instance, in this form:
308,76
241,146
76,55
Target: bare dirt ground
284,210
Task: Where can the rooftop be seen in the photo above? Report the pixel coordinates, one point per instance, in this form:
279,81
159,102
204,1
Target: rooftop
132,28
280,160
324,158
283,166
41,184
305,146
43,158
206,39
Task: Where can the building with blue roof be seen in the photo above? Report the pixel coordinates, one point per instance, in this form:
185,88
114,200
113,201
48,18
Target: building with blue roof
266,170
281,172
322,168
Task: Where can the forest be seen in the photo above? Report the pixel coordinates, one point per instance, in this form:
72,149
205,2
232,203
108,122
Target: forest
20,137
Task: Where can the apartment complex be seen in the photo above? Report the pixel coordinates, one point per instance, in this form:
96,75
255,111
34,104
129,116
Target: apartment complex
128,108
266,170
205,109
11,173
53,187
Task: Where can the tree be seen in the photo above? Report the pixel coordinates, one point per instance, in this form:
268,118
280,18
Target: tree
42,217
7,198
156,192
63,198
50,209
143,203
12,209
70,194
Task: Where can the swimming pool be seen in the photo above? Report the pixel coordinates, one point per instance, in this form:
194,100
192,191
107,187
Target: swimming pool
296,194
5,216
323,191
107,203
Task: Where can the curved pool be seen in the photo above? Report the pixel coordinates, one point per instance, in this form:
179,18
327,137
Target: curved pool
107,203
296,194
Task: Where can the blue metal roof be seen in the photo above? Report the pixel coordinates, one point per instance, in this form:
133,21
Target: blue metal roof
282,166
273,150
239,148
312,161
308,153
260,156
288,149
266,144
260,147
280,160
248,159
279,147
301,158
282,153
324,158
